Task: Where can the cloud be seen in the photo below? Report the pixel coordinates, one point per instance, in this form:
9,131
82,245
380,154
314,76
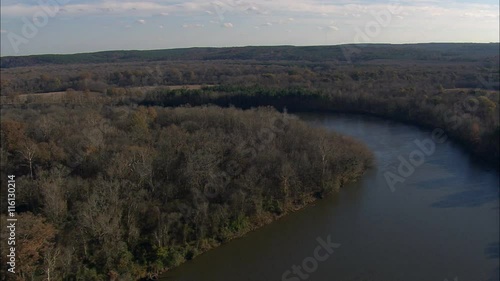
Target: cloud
264,25
246,7
274,16
3,31
328,28
252,8
196,25
111,7
108,10
281,21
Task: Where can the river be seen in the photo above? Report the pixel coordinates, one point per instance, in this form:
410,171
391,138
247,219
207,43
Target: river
441,223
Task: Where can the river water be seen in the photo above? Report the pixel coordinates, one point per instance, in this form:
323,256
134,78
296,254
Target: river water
441,223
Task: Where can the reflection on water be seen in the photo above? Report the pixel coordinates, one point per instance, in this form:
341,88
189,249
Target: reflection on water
492,250
468,198
441,222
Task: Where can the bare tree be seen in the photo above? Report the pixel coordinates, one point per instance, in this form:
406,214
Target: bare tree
50,259
28,152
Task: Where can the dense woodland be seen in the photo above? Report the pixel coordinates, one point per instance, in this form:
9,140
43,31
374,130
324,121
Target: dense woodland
450,86
122,192
120,175
470,117
340,53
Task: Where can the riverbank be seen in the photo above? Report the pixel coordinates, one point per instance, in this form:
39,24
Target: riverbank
402,234
256,222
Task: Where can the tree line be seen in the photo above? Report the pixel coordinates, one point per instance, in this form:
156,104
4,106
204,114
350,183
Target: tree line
470,117
418,75
358,53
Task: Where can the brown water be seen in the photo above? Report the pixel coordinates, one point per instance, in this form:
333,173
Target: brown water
442,223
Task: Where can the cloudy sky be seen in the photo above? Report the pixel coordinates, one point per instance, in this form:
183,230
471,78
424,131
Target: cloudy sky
71,26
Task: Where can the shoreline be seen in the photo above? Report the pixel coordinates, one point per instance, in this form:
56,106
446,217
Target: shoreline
309,201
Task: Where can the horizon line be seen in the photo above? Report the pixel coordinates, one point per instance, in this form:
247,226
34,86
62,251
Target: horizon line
238,46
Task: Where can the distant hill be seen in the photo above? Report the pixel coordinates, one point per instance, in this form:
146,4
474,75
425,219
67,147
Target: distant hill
461,52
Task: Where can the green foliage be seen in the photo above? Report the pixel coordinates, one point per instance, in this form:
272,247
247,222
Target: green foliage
89,275
238,224
171,257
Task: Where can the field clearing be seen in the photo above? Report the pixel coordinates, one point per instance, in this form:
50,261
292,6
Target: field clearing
175,87
57,97
49,97
467,90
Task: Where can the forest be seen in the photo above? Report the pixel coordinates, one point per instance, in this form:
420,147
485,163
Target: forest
470,117
339,53
125,192
450,86
130,163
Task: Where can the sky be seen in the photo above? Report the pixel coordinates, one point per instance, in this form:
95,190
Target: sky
75,26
